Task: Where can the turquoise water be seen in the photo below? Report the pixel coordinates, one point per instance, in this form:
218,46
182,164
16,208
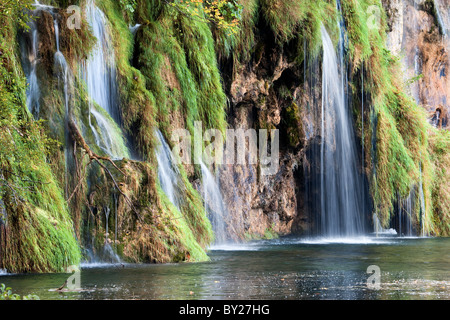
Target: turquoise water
289,268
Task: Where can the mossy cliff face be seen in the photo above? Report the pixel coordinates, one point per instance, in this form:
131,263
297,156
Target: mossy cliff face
176,69
36,230
418,30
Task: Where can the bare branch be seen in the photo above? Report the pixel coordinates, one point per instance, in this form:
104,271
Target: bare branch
94,157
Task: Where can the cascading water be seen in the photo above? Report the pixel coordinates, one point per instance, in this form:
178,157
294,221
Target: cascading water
100,76
30,58
108,254
442,13
169,179
422,204
134,29
408,206
214,204
404,214
379,230
64,76
168,174
33,91
340,190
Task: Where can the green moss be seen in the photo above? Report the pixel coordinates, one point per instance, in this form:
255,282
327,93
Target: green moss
39,232
402,158
440,157
176,55
294,125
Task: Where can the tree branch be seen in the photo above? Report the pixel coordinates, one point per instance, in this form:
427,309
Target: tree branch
78,138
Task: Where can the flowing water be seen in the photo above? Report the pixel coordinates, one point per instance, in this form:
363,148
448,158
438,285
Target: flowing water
100,76
134,29
168,174
442,13
214,204
341,207
411,268
33,91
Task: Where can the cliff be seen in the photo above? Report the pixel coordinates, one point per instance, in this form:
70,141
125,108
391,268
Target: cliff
80,159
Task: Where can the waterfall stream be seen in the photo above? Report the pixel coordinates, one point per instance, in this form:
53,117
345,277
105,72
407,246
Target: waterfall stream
214,205
33,91
169,179
442,12
341,209
168,174
100,76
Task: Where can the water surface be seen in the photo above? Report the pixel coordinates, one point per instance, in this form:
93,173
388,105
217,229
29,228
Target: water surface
411,268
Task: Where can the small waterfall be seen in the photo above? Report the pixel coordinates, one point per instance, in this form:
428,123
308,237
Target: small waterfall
362,117
108,255
64,76
422,204
408,207
168,174
379,230
100,76
33,91
169,179
30,59
107,212
214,204
134,29
442,16
340,192
63,70
115,219
405,212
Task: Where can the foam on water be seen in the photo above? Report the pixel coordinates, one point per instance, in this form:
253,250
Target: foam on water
236,247
4,272
347,240
92,265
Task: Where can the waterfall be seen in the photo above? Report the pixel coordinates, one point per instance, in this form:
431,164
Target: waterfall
107,212
33,91
100,76
422,203
442,12
115,219
169,179
214,204
60,62
133,29
379,230
64,76
405,213
341,209
30,58
362,116
408,207
168,174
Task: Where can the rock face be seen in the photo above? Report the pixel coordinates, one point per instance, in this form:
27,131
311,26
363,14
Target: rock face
263,94
418,30
394,10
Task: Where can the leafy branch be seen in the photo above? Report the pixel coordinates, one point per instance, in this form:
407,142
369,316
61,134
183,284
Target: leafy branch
223,14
